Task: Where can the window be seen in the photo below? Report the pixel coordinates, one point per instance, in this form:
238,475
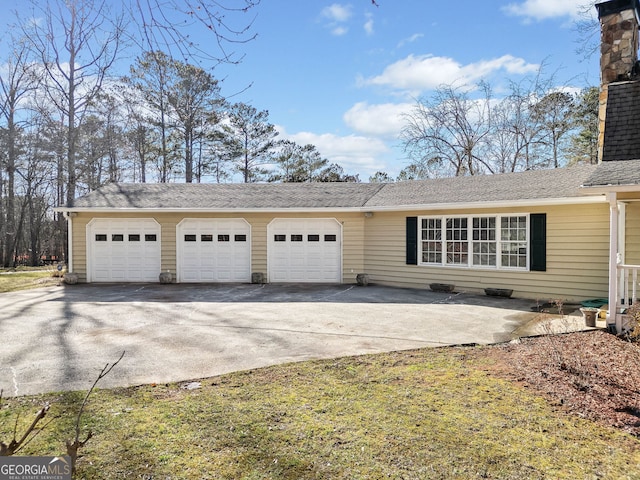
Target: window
223,238
513,236
296,238
206,238
240,238
431,240
330,238
134,237
101,237
189,238
150,237
313,238
279,238
117,237
499,241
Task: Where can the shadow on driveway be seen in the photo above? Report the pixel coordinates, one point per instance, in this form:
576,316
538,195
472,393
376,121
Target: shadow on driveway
58,338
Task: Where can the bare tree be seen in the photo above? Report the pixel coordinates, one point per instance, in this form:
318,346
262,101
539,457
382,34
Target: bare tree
588,29
17,82
77,42
447,134
169,25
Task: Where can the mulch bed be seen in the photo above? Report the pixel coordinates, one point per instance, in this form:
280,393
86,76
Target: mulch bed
593,374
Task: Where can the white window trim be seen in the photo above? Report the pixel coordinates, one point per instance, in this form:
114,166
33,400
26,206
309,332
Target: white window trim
470,242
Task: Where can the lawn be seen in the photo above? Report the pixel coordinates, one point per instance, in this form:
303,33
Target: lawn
14,280
424,414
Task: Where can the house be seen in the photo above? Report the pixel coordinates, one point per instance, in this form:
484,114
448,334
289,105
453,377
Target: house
570,234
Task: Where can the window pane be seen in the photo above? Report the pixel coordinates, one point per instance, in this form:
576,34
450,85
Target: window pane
150,237
101,237
117,237
280,238
206,238
189,238
313,238
240,238
330,238
296,238
134,237
223,238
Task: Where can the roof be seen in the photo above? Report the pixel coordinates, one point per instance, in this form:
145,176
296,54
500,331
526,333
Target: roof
622,122
615,6
194,196
615,174
532,187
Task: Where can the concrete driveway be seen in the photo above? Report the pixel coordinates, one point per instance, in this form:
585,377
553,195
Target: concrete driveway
59,338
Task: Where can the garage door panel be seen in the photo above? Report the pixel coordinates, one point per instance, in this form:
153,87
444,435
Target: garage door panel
123,250
220,250
305,250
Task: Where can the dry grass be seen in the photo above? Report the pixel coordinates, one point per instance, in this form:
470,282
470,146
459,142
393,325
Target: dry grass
12,281
435,413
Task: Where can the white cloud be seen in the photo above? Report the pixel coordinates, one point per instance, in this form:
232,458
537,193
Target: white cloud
339,31
368,25
411,39
335,16
543,9
424,72
354,153
383,120
337,12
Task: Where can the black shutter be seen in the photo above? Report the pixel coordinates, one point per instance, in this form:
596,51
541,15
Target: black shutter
412,240
538,235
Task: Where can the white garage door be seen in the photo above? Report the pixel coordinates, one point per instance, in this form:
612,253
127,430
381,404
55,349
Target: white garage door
214,250
123,250
305,250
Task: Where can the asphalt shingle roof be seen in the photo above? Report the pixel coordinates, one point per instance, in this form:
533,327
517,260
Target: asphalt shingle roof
622,123
625,172
531,185
229,195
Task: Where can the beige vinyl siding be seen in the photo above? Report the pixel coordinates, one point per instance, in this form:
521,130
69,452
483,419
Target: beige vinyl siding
577,256
352,233
632,253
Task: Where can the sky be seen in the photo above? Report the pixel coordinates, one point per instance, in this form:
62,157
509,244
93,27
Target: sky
340,75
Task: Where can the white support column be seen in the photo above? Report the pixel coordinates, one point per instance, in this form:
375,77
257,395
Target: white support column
613,261
70,216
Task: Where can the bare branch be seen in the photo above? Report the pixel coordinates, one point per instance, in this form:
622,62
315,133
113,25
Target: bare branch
15,445
76,444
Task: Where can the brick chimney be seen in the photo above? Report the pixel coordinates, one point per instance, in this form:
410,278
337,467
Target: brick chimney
619,22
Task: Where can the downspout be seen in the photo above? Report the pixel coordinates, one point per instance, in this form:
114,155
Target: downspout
613,320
